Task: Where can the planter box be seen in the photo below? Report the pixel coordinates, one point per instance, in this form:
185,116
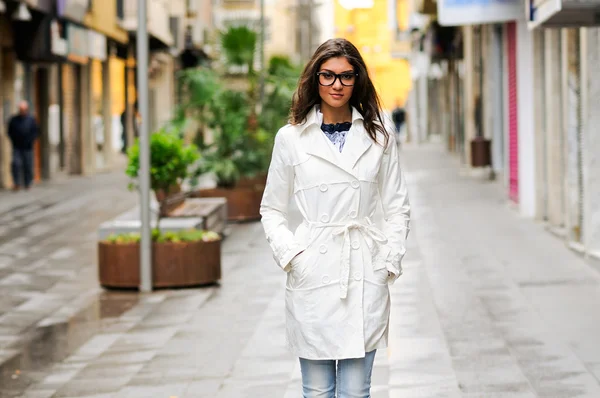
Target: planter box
243,204
243,201
173,264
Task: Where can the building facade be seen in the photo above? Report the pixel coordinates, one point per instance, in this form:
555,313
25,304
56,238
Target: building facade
518,92
74,61
379,29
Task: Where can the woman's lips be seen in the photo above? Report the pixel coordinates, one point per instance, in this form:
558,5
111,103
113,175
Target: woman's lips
337,96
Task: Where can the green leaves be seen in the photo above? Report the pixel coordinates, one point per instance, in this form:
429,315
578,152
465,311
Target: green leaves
225,106
169,160
192,235
200,86
239,46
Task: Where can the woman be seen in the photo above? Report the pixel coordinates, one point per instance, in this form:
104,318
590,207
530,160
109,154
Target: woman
336,159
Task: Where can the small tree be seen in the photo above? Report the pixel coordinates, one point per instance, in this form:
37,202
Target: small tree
199,87
170,161
239,46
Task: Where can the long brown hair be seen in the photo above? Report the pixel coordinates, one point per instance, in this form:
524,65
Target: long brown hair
364,96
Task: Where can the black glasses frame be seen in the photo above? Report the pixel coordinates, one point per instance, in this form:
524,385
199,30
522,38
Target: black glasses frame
336,77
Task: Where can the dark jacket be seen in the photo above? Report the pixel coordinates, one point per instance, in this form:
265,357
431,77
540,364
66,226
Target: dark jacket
22,131
398,116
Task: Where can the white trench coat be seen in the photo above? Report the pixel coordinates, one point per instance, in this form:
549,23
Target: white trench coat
337,296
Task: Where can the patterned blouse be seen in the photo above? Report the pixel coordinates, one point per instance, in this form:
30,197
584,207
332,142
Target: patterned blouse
336,132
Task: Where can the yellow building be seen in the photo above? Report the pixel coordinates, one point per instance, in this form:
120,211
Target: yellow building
376,35
107,84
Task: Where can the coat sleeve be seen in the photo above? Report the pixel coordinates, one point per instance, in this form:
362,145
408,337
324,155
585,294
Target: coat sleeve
274,205
396,209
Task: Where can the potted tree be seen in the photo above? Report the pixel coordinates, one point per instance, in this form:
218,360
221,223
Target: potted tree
170,161
241,130
182,258
236,157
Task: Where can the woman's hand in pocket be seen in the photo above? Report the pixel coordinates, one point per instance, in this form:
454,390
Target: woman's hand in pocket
296,260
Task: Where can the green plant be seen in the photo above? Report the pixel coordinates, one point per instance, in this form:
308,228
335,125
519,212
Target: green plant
281,81
233,151
198,89
242,140
239,46
192,235
170,161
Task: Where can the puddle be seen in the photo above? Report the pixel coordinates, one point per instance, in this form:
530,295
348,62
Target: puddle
41,347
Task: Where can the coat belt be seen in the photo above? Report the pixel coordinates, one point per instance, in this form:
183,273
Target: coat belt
368,231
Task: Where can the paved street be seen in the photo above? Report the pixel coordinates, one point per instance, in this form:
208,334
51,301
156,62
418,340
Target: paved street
489,306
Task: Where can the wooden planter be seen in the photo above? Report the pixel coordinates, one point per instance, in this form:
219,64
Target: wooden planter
173,264
243,201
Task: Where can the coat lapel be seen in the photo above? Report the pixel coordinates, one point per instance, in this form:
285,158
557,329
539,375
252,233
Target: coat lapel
357,143
315,143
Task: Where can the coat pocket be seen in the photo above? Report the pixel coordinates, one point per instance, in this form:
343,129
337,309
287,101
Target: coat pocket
296,261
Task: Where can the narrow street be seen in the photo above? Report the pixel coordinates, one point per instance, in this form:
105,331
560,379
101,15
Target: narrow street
490,305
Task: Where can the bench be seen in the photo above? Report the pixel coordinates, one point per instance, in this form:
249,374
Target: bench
206,213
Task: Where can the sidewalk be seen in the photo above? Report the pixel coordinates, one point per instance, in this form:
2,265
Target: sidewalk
489,306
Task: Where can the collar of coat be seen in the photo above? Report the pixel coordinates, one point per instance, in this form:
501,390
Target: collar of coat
313,118
314,142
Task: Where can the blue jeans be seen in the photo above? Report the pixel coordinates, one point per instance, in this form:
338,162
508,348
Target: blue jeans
22,164
352,378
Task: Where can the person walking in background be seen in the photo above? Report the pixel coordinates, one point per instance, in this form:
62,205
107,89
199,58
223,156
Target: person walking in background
399,117
22,131
336,158
137,120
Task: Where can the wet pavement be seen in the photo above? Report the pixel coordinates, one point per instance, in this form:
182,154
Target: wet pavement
48,277
490,305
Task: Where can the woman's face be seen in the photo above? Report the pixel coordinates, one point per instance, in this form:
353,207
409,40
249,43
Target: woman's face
336,95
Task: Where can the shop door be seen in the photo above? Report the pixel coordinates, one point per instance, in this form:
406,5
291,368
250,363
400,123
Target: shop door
575,184
42,102
72,117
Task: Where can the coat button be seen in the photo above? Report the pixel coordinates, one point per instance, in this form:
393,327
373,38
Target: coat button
323,249
323,187
325,279
357,276
353,214
355,184
325,218
355,245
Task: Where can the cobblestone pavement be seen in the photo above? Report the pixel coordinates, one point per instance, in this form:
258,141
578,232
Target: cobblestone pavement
489,306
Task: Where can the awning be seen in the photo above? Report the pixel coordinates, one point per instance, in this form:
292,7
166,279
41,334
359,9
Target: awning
563,13
477,12
39,39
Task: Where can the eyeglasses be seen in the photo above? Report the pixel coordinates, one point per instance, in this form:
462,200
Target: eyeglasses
328,78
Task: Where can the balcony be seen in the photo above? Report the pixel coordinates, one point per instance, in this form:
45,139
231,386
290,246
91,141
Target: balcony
234,4
158,19
235,17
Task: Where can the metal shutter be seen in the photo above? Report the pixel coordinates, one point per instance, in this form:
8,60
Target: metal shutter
513,133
